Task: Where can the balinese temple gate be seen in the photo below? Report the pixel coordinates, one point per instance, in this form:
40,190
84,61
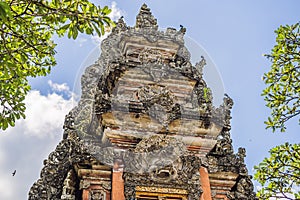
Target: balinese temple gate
145,127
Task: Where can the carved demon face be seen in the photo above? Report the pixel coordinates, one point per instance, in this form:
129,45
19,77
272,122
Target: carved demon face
164,170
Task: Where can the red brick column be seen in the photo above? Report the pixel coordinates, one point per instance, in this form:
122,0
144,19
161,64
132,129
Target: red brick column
206,195
117,190
85,194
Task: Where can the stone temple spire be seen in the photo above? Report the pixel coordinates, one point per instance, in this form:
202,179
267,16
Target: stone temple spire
145,19
145,127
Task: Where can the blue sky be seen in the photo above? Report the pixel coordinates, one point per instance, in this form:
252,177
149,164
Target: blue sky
235,34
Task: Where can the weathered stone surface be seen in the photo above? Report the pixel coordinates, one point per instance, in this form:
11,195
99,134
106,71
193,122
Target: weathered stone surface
144,126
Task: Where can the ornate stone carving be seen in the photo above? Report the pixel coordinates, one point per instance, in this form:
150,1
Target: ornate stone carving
200,65
120,26
157,72
145,19
228,103
149,55
161,190
223,159
98,195
243,189
69,186
146,156
162,161
159,103
158,161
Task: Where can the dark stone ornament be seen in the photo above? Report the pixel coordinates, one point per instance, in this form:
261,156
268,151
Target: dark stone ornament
161,161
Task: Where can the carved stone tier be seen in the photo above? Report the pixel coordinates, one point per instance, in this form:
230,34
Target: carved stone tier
138,49
129,139
221,183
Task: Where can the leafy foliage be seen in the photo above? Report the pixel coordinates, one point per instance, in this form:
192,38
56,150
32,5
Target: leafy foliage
283,91
280,173
26,48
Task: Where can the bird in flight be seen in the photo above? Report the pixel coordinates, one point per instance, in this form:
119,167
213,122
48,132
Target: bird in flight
14,173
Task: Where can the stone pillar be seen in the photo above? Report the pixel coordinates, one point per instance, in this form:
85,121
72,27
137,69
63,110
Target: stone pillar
206,195
117,181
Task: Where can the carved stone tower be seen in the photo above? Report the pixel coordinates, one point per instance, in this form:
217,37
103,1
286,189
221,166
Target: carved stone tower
145,127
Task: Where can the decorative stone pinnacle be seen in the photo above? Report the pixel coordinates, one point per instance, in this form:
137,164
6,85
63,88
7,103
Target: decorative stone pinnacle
227,103
120,25
145,19
200,65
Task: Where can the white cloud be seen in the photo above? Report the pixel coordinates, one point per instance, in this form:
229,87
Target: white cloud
25,146
58,87
116,12
62,89
45,114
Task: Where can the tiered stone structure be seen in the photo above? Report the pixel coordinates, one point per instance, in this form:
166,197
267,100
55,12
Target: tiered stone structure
145,127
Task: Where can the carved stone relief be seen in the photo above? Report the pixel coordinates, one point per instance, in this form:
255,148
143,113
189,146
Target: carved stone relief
159,103
69,186
162,161
98,195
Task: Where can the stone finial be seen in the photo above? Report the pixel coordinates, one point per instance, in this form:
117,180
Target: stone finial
200,65
120,26
145,19
227,104
182,29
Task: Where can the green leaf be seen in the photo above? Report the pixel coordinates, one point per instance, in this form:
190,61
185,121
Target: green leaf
96,29
63,29
5,11
106,10
75,32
